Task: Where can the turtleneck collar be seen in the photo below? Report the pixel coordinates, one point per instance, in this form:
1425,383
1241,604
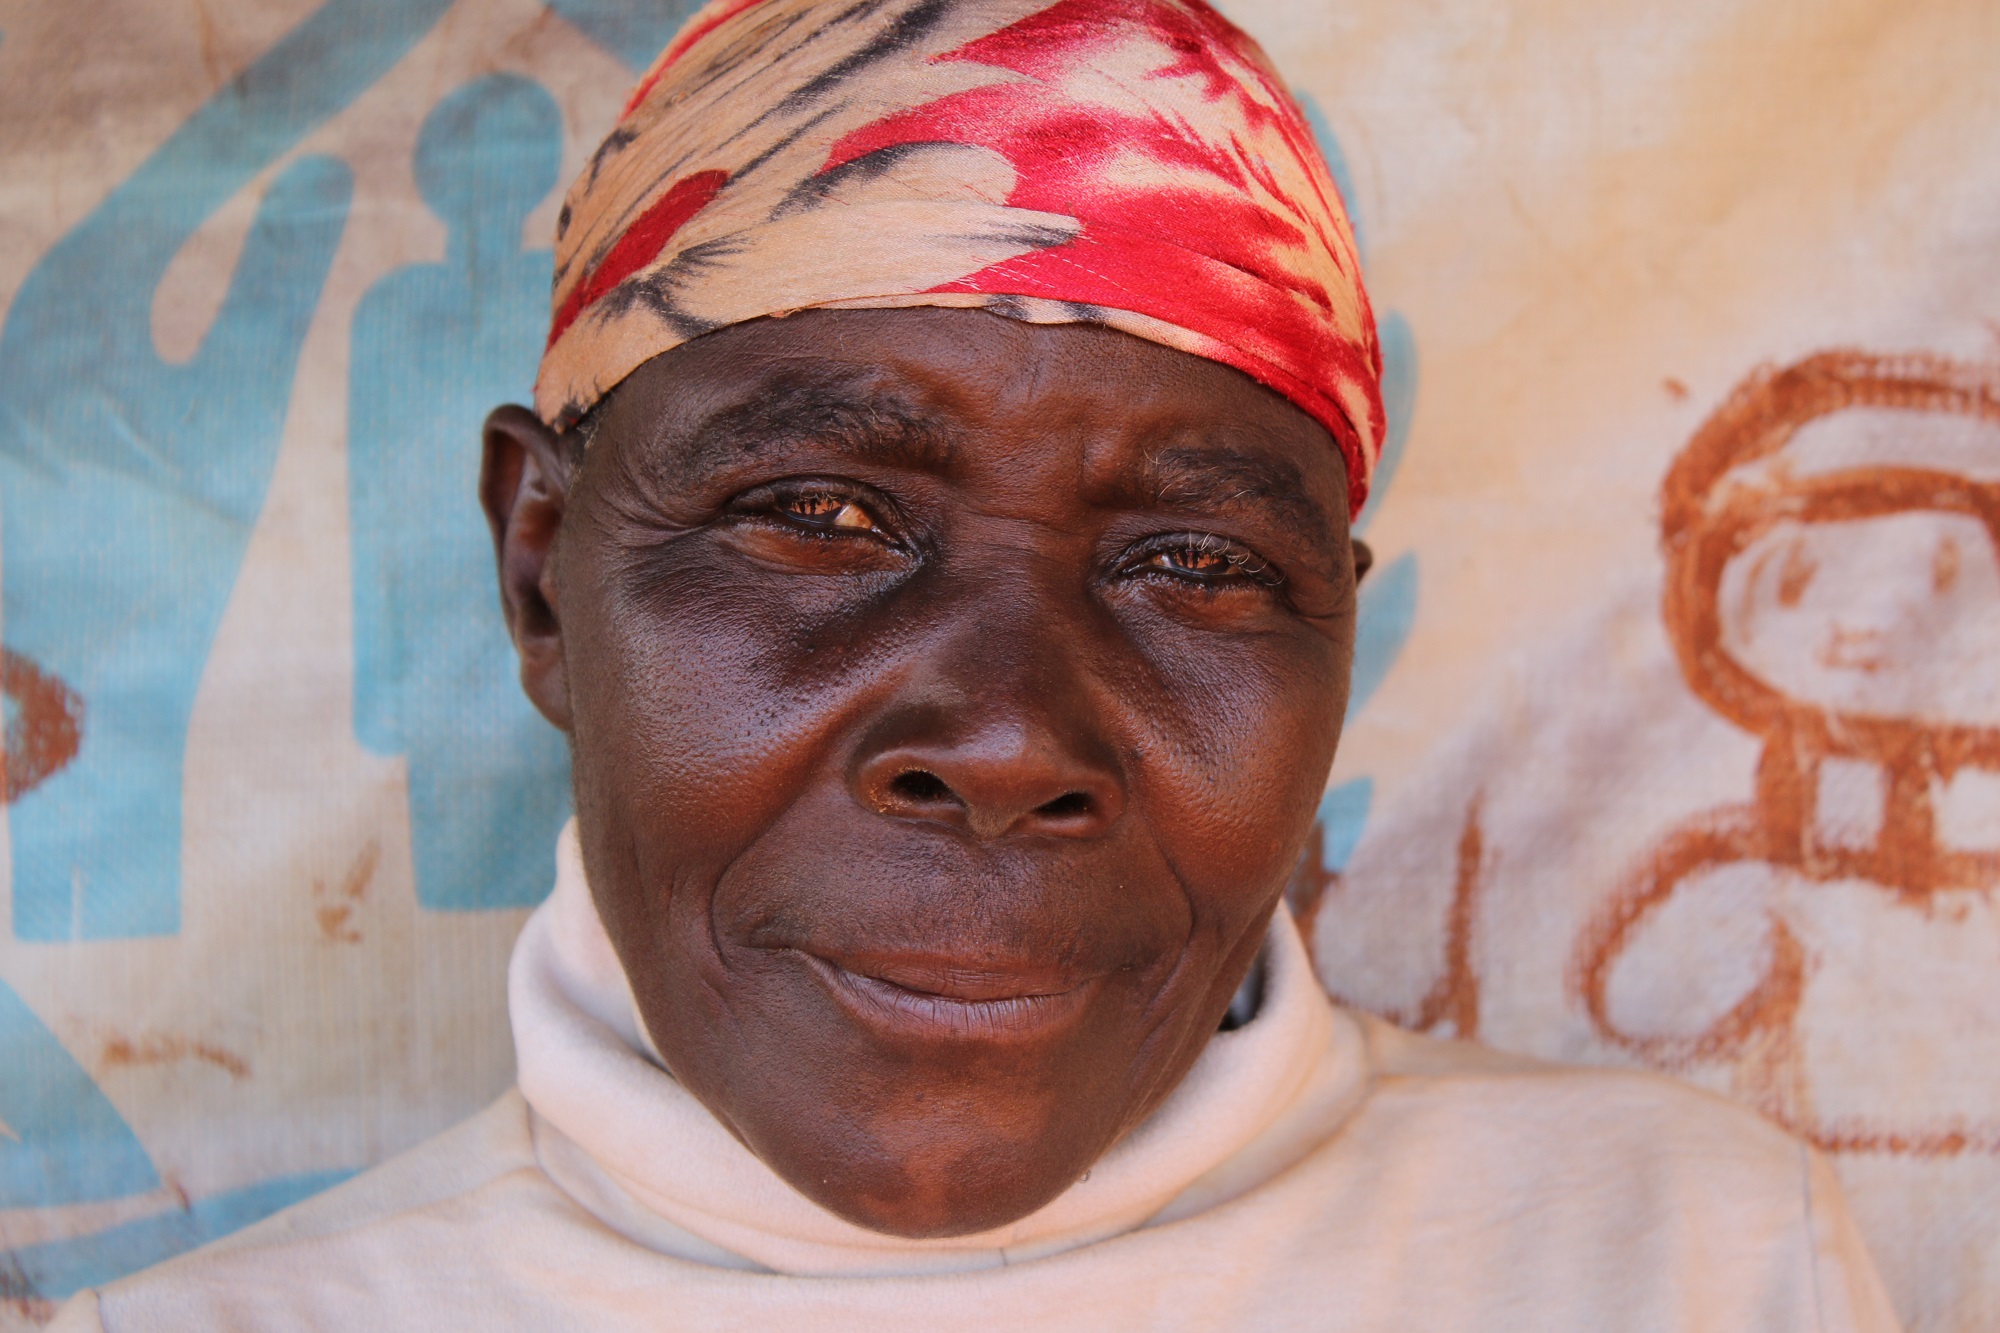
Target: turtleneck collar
633,1146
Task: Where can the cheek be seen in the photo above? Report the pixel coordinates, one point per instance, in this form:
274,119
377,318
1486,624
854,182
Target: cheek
708,694
1242,736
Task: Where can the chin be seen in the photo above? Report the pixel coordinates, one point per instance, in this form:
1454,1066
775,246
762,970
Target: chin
924,1114
937,1177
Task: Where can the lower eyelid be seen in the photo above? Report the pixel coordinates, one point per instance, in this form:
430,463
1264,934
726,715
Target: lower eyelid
1216,583
875,538
1245,563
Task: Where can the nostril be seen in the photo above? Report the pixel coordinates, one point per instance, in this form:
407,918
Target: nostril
923,788
1069,804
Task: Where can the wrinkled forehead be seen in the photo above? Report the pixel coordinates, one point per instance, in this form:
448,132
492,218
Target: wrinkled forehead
970,398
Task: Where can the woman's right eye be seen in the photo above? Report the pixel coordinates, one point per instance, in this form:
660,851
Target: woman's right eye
825,509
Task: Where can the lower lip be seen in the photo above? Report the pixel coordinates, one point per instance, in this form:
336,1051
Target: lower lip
884,1004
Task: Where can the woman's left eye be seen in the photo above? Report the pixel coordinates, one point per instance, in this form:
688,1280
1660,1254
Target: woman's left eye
822,509
1206,559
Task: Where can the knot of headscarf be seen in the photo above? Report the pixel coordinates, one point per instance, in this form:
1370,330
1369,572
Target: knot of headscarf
1129,163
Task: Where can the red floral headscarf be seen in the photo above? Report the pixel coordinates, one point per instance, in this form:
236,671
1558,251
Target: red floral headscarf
1130,163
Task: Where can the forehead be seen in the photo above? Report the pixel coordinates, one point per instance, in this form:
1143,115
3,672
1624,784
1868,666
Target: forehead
973,395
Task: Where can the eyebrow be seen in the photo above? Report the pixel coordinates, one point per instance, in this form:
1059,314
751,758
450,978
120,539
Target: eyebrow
1221,478
872,423
862,420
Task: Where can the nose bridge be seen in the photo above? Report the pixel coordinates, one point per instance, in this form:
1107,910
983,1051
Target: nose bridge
1000,725
1019,656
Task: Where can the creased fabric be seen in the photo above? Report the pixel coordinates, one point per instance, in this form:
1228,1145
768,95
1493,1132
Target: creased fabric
1129,163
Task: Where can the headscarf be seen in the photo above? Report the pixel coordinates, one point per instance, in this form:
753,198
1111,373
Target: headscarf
1135,164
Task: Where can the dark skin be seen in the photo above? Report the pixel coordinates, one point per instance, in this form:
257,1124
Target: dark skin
950,698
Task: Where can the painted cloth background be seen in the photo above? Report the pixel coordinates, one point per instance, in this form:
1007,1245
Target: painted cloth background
1673,741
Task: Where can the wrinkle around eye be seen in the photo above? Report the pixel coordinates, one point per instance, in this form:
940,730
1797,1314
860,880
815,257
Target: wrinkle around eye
1238,604
832,511
1228,562
791,545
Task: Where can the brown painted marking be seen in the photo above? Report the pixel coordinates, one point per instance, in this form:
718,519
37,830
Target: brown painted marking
1717,837
1858,1137
1675,389
19,1293
211,59
46,731
160,1048
335,906
1711,512
1454,997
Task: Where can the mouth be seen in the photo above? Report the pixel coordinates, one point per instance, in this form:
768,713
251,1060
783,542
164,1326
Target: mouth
933,998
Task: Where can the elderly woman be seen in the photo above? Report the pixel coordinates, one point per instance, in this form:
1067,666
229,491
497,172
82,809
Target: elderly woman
933,537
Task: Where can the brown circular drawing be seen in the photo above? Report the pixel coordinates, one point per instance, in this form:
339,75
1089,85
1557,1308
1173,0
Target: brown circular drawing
1767,573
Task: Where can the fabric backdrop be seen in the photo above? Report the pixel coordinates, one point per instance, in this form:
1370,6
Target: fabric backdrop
1676,735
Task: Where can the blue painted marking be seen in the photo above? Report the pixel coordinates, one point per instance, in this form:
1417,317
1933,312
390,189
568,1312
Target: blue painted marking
129,485
68,1143
57,1269
1388,608
436,346
1343,812
635,33
1399,405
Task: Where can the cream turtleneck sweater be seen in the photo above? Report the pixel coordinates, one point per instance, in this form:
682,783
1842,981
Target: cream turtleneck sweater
1316,1169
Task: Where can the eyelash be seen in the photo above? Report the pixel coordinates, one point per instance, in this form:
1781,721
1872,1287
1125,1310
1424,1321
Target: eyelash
783,504
1238,563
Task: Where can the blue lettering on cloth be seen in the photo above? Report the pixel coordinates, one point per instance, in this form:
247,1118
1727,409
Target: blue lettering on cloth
128,489
129,485
635,33
57,1269
61,1140
435,347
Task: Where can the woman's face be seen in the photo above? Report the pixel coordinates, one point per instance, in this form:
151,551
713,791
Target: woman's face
1895,616
950,699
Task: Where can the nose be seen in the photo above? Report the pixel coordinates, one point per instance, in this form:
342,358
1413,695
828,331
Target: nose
997,748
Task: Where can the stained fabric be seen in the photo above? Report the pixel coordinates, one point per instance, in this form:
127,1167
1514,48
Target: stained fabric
1135,164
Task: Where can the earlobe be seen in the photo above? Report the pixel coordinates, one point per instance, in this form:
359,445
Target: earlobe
524,489
1364,559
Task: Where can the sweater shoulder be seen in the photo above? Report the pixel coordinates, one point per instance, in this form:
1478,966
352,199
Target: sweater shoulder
1585,1131
1410,1066
434,1177
460,1161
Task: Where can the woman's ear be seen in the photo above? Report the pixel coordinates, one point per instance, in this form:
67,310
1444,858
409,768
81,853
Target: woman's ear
1364,559
524,487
